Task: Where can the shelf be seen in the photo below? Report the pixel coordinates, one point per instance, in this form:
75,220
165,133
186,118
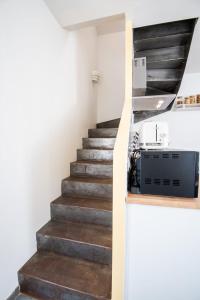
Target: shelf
186,107
164,201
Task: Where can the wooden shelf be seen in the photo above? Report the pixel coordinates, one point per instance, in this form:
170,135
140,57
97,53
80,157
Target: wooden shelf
186,107
177,202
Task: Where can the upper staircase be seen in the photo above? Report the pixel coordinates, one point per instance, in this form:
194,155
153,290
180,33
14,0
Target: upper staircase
166,47
74,249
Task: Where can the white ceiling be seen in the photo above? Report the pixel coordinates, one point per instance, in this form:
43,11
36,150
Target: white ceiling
141,12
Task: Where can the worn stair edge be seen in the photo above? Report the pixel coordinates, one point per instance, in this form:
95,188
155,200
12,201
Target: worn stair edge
98,143
94,154
47,275
92,211
52,237
102,133
91,169
87,187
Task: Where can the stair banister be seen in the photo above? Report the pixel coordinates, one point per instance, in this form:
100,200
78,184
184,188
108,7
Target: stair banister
120,175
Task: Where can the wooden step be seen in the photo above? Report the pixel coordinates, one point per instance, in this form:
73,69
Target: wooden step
83,210
102,133
94,154
51,277
98,143
87,187
87,241
102,169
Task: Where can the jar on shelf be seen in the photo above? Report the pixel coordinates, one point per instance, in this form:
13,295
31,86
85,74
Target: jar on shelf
187,100
198,99
192,99
180,101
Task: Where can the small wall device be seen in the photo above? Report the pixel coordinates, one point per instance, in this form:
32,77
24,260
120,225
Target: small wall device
95,76
154,135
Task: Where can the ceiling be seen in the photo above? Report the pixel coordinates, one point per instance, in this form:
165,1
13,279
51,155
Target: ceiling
141,12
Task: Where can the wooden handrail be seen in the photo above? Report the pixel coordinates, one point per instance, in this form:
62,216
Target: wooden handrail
120,175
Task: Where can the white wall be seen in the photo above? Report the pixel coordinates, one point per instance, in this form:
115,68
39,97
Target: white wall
190,84
183,128
183,125
47,104
162,253
111,65
141,12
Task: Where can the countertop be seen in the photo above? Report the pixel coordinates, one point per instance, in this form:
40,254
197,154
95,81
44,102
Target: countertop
178,202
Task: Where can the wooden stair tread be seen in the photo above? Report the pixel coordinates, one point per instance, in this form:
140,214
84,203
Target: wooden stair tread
90,180
100,204
95,162
71,273
80,232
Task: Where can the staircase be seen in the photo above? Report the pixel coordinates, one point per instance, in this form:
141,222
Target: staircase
74,249
166,47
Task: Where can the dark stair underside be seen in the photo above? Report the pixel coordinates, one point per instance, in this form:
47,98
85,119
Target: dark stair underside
166,47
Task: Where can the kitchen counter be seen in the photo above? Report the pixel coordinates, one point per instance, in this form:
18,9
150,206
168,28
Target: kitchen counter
177,202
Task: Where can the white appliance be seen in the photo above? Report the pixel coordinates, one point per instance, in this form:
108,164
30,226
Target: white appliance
154,135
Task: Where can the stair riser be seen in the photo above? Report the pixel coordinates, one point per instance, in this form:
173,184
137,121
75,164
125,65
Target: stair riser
82,215
90,154
49,291
89,252
16,295
92,170
98,143
109,124
103,133
24,297
86,189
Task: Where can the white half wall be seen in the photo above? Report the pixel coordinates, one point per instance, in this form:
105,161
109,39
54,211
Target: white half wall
47,104
111,65
162,253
